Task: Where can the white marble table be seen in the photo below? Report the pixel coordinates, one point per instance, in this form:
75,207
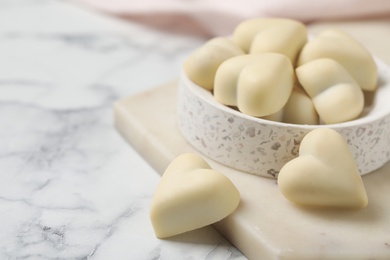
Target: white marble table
71,187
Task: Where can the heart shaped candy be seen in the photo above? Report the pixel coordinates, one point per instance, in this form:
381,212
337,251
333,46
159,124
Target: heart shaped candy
191,195
258,84
300,109
335,94
280,35
324,174
343,48
202,64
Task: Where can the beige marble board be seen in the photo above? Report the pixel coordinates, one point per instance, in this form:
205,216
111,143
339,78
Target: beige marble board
266,225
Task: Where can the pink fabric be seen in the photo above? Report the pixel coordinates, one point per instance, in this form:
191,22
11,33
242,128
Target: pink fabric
219,17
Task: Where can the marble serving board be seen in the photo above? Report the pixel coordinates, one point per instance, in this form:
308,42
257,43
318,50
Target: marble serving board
265,225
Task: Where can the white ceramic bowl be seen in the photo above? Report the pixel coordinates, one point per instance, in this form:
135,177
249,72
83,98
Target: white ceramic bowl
262,147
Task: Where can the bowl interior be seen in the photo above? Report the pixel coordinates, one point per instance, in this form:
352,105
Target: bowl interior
377,103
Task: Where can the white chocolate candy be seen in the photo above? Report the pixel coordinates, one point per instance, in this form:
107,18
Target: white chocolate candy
278,116
337,45
202,64
325,173
191,195
278,35
265,85
300,109
226,78
259,85
336,95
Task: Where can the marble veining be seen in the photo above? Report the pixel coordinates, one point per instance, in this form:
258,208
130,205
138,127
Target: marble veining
71,187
